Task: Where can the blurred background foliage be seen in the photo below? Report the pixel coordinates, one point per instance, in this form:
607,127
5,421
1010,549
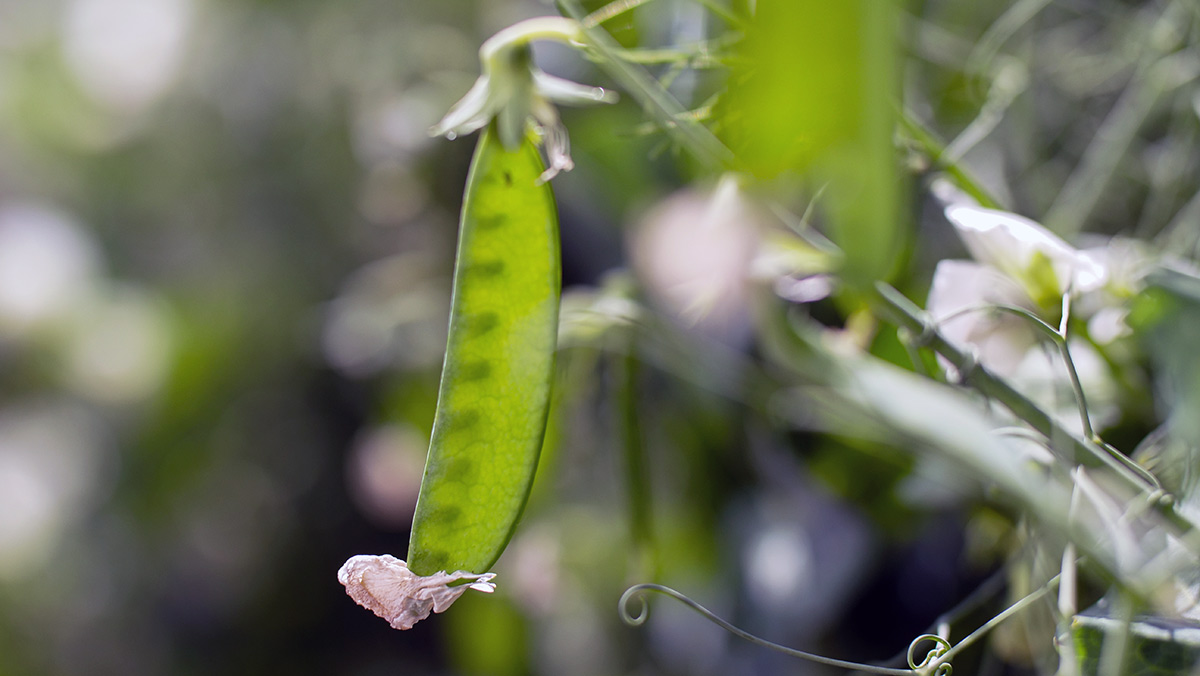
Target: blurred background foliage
225,251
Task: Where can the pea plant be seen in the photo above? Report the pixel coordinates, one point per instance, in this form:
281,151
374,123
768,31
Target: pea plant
1053,374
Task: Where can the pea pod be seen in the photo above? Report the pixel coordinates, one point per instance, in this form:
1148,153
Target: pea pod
495,388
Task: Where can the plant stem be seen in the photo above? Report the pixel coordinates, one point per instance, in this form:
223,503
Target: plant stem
908,315
936,150
639,618
657,102
627,369
991,624
611,11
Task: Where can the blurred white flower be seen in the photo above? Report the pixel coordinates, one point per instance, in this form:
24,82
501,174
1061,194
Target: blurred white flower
515,92
126,53
48,263
384,585
1126,263
118,346
533,566
694,252
389,313
51,460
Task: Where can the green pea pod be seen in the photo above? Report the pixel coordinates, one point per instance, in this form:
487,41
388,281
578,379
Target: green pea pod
495,389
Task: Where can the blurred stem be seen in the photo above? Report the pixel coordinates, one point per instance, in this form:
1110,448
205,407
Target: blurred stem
619,7
611,11
628,369
1156,72
803,227
1114,649
656,100
1068,597
704,54
716,8
1182,234
1009,80
999,32
913,350
1086,184
991,624
639,591
908,315
1059,338
1167,185
936,150
985,593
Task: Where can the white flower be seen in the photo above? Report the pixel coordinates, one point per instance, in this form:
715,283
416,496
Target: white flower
1021,264
962,288
515,92
1040,261
384,585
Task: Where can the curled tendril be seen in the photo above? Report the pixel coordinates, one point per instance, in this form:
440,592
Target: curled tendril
637,592
940,648
635,619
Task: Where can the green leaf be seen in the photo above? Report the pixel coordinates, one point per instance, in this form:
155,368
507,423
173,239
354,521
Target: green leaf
814,93
495,389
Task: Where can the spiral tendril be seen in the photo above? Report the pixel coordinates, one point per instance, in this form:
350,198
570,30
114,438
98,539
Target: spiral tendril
940,648
635,619
638,593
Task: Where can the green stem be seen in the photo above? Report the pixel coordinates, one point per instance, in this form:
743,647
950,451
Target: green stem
640,590
1158,71
630,427
991,624
1059,338
668,112
936,150
729,17
611,11
905,313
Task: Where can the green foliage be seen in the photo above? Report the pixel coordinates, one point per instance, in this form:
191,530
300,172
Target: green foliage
739,410
814,94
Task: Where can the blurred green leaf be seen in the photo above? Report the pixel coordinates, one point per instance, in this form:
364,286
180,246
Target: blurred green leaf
815,95
488,637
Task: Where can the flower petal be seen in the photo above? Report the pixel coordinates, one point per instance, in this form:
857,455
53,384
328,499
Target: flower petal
1000,341
571,93
472,111
1017,246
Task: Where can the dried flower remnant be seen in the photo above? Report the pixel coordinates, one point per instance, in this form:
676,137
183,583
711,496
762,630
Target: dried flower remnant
384,585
